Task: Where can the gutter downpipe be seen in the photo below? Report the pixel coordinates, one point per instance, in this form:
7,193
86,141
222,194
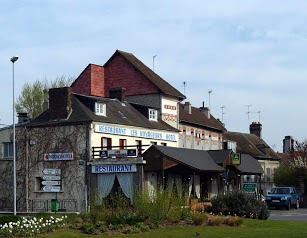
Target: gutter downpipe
27,171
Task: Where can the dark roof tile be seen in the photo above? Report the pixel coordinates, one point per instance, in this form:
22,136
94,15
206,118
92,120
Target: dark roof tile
197,117
117,113
198,159
251,144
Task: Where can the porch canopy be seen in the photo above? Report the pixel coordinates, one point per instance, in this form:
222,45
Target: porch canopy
163,157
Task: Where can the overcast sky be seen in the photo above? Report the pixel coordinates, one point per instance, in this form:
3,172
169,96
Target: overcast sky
247,52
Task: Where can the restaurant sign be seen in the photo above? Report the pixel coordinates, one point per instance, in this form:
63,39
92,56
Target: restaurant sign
114,168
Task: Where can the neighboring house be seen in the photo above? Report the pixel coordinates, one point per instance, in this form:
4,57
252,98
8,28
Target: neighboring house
199,129
6,168
61,153
253,145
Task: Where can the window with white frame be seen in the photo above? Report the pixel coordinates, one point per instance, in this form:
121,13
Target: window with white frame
153,114
100,109
7,149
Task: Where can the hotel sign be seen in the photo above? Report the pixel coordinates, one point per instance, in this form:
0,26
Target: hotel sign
58,156
117,153
114,168
136,133
170,107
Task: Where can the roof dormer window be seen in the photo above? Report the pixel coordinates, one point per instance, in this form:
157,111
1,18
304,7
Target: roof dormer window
153,114
100,109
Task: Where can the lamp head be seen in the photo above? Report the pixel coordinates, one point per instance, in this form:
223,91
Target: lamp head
14,59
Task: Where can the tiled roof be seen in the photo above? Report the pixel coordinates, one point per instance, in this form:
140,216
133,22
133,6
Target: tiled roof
197,159
197,117
159,82
117,113
251,144
286,158
220,156
250,165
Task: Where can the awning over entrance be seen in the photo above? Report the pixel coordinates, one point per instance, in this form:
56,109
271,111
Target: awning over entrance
196,159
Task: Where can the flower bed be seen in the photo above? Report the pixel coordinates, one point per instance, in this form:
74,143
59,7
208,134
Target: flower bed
31,226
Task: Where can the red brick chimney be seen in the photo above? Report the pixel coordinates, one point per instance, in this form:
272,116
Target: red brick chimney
256,129
118,93
90,82
60,103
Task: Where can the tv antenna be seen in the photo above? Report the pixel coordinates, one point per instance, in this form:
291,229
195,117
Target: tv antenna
184,82
223,112
153,62
259,113
248,112
209,92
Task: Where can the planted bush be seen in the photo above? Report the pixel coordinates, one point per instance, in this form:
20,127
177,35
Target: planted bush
239,203
199,218
164,205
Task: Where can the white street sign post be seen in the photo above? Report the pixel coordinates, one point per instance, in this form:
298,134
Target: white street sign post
52,171
51,188
52,183
51,177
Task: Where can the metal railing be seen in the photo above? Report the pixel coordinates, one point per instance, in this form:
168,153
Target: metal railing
43,205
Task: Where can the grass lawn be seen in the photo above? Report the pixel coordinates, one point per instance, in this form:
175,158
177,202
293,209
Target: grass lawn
250,229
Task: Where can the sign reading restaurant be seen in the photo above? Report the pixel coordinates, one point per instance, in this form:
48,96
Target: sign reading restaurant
114,168
135,132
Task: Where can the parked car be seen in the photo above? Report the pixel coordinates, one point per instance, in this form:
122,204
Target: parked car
284,197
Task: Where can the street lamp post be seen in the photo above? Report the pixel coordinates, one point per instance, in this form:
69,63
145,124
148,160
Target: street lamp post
13,60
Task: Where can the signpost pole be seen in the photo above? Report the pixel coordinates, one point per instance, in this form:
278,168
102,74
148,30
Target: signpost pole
56,200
